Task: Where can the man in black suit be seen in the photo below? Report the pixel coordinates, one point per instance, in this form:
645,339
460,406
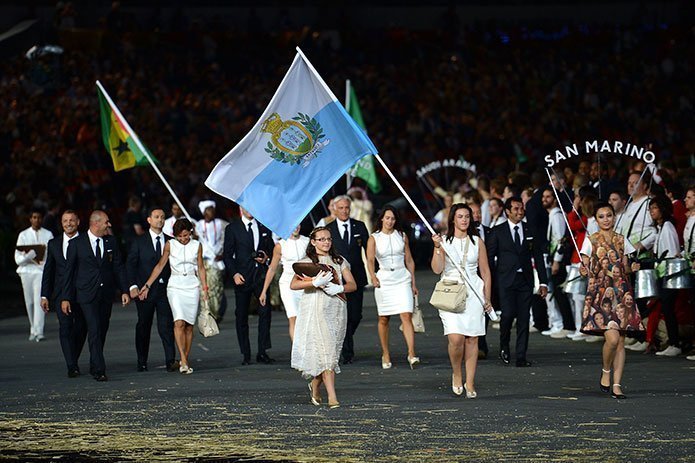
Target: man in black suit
73,330
247,247
349,239
513,245
143,255
537,222
94,269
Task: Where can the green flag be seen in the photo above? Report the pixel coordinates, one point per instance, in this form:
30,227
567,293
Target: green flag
364,168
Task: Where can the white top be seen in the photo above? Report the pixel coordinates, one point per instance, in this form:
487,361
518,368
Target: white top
292,251
485,213
592,226
642,229
211,236
390,250
587,248
183,260
689,236
28,237
667,240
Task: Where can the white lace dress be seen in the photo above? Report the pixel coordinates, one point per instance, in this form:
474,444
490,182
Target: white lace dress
472,321
395,294
292,251
183,290
320,328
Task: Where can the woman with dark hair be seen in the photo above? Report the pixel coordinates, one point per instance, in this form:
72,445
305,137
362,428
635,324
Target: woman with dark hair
185,256
394,283
463,329
668,247
618,321
322,317
496,210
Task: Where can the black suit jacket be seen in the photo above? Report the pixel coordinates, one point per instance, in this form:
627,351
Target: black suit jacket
238,248
54,270
86,278
352,252
511,257
537,216
141,260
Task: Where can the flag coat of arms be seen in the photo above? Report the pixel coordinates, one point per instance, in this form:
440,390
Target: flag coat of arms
117,135
302,144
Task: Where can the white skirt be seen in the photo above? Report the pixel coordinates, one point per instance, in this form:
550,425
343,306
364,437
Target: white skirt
290,298
395,294
472,321
184,294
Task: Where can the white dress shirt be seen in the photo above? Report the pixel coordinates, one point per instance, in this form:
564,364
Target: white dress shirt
66,242
93,242
154,236
341,229
254,230
556,231
637,215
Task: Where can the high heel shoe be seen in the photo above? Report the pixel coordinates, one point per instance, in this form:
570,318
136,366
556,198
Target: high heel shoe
385,365
603,388
470,394
185,370
314,400
413,361
619,396
458,390
333,405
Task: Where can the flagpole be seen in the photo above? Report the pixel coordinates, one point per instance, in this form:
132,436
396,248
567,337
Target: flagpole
447,248
142,148
348,177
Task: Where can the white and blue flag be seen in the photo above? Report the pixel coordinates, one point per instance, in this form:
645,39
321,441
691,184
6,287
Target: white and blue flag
302,144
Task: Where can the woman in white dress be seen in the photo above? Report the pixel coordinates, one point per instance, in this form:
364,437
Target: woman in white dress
288,252
185,256
463,329
322,317
394,283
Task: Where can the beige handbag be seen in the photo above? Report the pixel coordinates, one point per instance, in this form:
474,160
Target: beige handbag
206,322
418,322
450,295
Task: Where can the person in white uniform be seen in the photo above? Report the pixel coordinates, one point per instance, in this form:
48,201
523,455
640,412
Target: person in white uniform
463,329
30,270
286,251
185,257
394,283
689,238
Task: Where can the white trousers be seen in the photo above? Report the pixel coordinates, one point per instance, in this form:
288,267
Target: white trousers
31,284
554,316
578,309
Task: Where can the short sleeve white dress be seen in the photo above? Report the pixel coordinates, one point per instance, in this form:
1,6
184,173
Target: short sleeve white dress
395,294
183,290
472,321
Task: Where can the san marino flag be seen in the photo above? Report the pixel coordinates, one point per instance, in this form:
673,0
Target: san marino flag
302,144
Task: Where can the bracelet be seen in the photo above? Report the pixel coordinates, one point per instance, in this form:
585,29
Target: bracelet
147,286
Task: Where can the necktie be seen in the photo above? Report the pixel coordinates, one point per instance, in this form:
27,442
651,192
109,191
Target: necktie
158,247
250,231
517,237
346,235
97,251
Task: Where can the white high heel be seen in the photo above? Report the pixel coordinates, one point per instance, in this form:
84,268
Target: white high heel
470,394
385,365
458,390
413,361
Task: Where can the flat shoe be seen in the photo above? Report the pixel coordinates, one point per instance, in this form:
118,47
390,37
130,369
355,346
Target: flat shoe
333,405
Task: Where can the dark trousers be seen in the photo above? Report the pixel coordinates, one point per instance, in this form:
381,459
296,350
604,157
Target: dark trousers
165,328
516,304
243,301
482,341
97,315
72,333
540,312
561,301
354,316
668,308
